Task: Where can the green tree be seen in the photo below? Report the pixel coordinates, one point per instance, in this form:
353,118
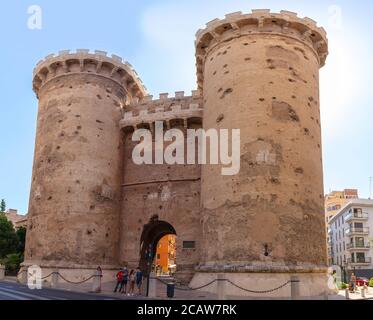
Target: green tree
8,237
21,235
11,263
2,205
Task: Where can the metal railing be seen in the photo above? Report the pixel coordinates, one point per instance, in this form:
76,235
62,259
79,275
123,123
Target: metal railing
358,246
366,260
357,230
356,216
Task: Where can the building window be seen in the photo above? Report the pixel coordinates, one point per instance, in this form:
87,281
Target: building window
360,257
359,242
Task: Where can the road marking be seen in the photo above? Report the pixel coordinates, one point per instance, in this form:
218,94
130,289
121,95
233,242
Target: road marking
23,293
13,296
57,298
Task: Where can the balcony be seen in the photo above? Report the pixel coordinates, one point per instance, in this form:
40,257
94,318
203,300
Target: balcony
357,231
358,246
362,216
360,262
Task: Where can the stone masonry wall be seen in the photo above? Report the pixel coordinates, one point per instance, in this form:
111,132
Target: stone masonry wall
170,192
263,78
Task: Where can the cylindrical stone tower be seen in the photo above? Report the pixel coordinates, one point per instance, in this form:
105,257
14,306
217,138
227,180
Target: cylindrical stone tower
74,207
259,73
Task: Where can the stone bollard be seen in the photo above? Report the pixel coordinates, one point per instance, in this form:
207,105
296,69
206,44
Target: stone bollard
221,287
96,285
347,293
54,280
295,290
152,290
363,292
22,276
2,272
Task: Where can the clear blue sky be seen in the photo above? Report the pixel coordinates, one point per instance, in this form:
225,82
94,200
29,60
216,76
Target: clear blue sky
157,37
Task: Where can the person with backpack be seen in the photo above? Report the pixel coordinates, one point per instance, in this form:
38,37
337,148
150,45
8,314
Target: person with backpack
139,277
124,280
119,284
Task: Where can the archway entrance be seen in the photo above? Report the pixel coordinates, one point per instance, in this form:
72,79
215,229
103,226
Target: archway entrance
154,237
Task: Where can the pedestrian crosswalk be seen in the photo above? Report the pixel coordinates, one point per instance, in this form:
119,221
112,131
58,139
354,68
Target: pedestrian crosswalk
7,293
15,291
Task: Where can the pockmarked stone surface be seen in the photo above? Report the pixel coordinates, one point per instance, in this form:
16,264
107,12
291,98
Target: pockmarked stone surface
91,205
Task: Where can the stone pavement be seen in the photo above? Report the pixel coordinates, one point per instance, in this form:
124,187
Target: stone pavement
357,295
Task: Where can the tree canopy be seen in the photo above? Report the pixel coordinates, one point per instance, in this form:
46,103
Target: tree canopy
2,205
9,241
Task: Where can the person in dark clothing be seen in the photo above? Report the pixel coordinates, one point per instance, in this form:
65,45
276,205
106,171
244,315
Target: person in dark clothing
119,284
139,277
124,281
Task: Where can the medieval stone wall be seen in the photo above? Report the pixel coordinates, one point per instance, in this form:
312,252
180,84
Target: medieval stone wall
90,204
75,193
260,73
171,193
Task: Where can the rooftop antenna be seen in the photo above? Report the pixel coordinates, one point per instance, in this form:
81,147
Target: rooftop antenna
370,187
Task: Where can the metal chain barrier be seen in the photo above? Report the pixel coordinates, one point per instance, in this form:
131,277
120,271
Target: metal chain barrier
233,284
179,288
264,291
44,277
62,277
77,282
187,289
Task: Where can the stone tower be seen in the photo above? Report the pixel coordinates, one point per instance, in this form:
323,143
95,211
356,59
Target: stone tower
91,205
259,73
75,195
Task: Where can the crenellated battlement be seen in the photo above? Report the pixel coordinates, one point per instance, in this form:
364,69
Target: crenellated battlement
167,109
166,96
98,62
260,21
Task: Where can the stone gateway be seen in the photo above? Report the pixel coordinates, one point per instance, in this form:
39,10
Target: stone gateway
91,205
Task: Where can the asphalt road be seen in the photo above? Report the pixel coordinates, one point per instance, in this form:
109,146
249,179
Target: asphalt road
15,291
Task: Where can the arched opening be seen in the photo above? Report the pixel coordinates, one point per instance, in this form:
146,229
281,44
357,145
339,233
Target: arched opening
158,247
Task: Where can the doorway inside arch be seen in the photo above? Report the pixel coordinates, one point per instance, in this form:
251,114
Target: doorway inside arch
158,248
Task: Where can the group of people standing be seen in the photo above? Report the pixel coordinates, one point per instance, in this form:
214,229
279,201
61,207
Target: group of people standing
129,280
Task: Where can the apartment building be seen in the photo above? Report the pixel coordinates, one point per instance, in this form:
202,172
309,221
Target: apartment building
350,237
335,200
